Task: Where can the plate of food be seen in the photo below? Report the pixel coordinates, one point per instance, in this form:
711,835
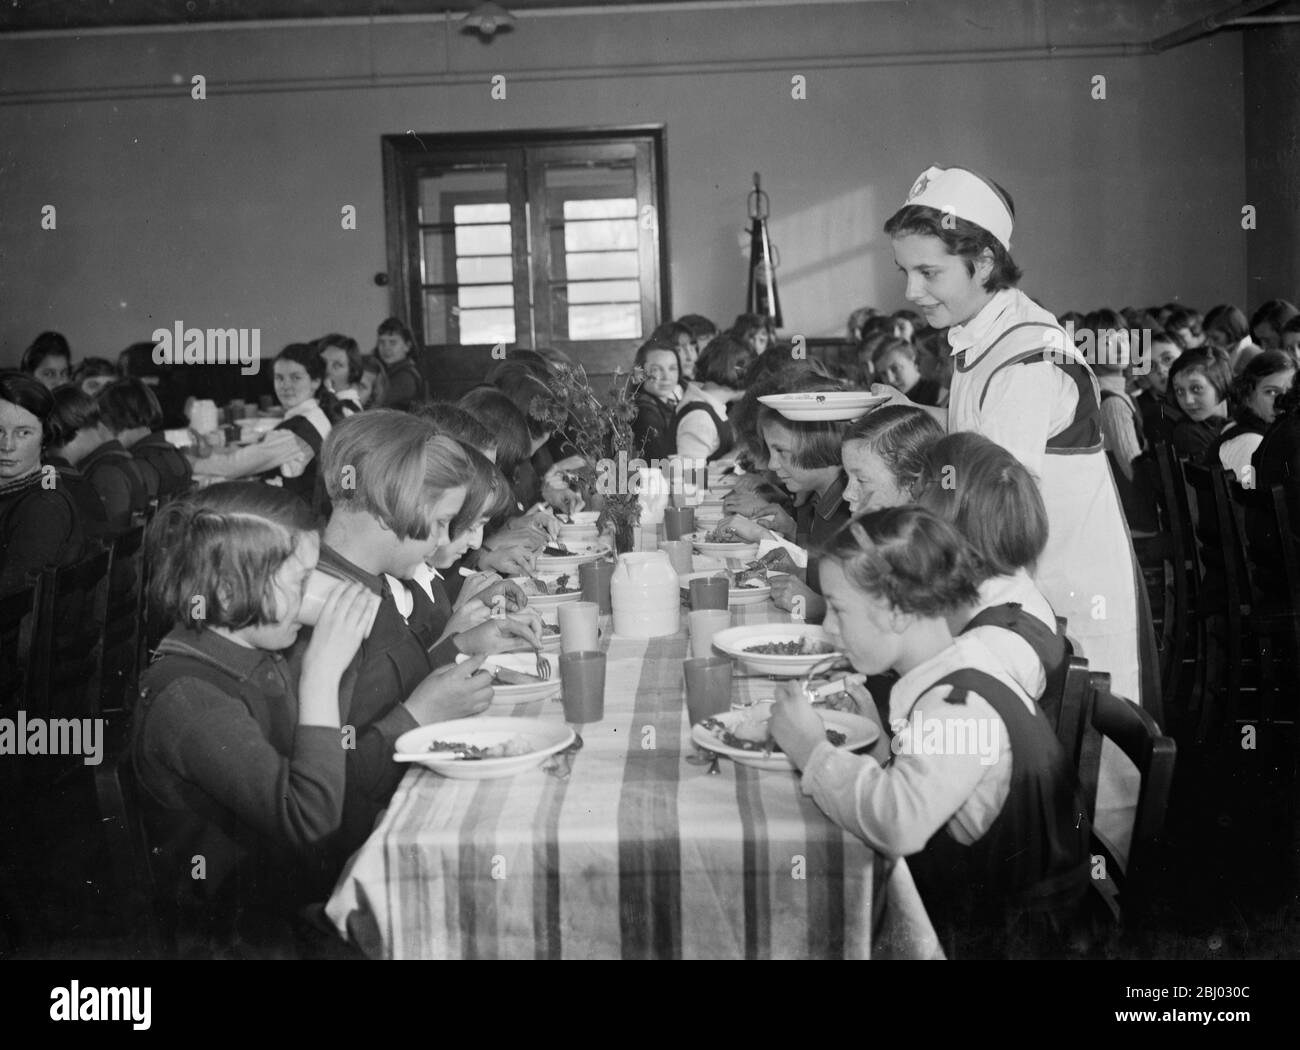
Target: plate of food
712,544
550,637
746,737
749,586
514,676
564,556
784,649
560,588
483,747
824,405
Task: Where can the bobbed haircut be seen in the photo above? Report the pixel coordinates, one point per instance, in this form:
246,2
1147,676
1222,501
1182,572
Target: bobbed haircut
1261,366
882,346
374,367
670,332
21,389
901,436
698,325
452,420
908,557
774,377
812,444
126,404
1276,313
529,393
349,346
396,326
394,467
989,497
486,493
724,361
224,544
1209,362
961,237
1229,321
498,413
47,344
93,368
74,410
656,345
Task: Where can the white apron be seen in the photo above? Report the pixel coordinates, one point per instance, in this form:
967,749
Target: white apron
1018,380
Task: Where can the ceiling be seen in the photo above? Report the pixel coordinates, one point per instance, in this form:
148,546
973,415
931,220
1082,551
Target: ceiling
1141,18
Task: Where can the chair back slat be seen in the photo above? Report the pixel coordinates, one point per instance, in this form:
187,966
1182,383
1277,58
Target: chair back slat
17,628
1136,734
1072,717
123,620
69,641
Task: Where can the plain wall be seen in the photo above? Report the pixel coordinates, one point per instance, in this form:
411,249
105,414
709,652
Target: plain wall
226,212
1273,163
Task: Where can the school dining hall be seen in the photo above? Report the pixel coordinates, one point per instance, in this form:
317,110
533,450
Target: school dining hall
611,480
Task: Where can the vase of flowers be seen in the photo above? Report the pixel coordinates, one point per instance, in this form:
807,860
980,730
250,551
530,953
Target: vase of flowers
599,430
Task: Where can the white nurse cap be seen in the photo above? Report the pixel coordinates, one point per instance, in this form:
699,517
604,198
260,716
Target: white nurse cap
966,195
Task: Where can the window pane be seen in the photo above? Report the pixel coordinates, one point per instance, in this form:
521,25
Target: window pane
618,321
604,292
485,269
482,213
586,266
487,326
610,208
599,180
484,240
442,193
594,234
438,256
475,295
437,318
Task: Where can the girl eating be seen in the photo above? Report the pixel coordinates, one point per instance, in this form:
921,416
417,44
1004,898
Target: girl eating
994,835
240,759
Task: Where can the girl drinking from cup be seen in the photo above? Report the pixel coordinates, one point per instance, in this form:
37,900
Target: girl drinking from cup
239,757
977,793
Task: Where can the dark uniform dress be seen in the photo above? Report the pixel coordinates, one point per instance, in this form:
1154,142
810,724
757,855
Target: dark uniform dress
120,483
726,436
655,426
817,520
1016,890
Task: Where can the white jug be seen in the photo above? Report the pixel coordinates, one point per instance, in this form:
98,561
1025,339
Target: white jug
645,596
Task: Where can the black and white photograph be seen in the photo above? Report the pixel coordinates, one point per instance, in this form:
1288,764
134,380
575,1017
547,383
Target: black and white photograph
671,480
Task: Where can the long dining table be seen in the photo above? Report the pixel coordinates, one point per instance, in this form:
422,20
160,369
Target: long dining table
637,854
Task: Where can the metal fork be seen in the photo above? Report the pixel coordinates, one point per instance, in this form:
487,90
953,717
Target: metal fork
543,666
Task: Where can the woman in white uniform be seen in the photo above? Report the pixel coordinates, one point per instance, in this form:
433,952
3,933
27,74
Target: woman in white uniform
1019,381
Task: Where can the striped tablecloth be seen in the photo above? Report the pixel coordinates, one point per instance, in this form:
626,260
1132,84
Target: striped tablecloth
637,855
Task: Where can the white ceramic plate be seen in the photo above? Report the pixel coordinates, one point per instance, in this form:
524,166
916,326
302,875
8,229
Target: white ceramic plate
858,732
579,554
734,641
752,595
742,550
546,601
527,663
543,738
830,405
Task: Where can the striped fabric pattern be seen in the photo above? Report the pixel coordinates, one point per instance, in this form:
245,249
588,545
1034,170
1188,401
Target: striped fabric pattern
637,855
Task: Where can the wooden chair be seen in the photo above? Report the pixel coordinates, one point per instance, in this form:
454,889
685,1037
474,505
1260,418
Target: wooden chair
1125,889
1171,554
123,620
129,854
69,641
1073,713
17,626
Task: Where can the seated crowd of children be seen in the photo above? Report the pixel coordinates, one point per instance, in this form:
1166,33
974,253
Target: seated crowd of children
370,479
